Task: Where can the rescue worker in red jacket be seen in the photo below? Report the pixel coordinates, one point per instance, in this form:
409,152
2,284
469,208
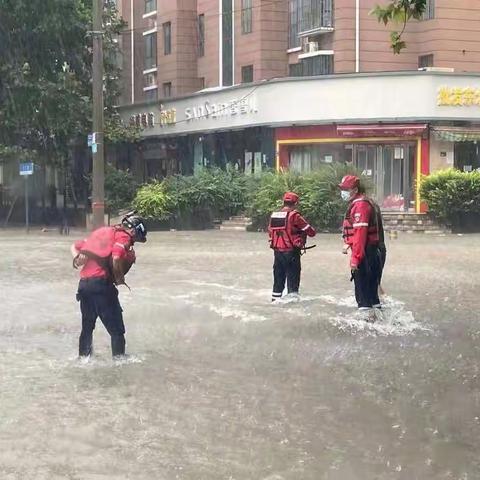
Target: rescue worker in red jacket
104,258
362,232
288,232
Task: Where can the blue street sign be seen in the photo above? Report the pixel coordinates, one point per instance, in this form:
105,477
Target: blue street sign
26,168
90,140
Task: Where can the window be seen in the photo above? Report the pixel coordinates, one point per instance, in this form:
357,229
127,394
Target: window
150,6
247,74
246,16
150,80
150,50
227,43
167,89
425,61
201,35
167,38
293,39
151,95
321,65
314,14
295,70
305,15
429,12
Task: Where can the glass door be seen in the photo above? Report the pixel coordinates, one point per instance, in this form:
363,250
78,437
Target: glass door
398,161
390,169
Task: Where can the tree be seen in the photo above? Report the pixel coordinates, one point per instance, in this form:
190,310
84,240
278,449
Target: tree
401,12
46,76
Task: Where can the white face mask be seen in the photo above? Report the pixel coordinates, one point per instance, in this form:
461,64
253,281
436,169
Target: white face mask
346,194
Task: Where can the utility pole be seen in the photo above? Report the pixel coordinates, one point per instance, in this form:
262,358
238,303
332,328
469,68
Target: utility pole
98,177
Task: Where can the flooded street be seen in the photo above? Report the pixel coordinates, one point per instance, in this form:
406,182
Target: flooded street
221,384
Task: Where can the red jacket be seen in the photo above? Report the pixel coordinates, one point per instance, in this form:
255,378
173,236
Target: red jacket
122,248
360,228
288,230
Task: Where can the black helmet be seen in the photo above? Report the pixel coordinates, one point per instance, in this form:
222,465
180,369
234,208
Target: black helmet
132,220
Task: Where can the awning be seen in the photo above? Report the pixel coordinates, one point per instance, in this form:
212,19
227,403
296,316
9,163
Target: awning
457,134
378,130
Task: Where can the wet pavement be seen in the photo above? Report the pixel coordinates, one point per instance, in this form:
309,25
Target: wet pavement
223,385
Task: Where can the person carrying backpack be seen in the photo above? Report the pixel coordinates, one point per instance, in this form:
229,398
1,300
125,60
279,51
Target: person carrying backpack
104,258
288,232
363,236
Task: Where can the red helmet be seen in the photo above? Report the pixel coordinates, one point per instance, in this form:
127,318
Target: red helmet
291,197
349,182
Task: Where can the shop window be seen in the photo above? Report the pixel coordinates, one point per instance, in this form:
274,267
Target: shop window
247,74
307,158
425,61
150,6
167,38
167,89
150,50
201,35
429,13
246,16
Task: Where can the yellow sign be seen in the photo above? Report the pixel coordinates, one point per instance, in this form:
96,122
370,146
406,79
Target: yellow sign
458,97
168,117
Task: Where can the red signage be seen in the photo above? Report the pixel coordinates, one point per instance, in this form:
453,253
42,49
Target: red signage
398,130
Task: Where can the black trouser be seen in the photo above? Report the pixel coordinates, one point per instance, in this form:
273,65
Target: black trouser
286,266
383,259
367,278
99,298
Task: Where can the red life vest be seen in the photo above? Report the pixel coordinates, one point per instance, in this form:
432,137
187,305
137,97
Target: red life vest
374,223
283,234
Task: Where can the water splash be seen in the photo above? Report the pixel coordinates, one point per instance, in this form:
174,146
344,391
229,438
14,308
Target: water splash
226,311
98,362
395,321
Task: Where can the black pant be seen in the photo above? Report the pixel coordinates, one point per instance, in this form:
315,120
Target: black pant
383,259
99,298
367,278
286,266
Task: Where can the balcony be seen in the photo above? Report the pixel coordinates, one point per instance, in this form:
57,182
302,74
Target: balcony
315,17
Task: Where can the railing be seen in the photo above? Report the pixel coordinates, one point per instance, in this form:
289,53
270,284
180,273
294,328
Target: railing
308,15
315,14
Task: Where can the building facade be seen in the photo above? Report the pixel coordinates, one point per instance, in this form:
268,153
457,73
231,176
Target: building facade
394,127
295,84
176,47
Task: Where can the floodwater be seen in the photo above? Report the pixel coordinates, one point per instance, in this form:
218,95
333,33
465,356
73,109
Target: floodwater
223,385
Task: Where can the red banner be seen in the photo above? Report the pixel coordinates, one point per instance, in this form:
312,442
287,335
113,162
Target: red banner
398,130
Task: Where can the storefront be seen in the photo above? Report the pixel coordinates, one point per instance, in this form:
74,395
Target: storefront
391,156
394,127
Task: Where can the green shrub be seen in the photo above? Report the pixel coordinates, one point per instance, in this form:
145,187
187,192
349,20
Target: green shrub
320,200
120,189
450,193
194,201
152,201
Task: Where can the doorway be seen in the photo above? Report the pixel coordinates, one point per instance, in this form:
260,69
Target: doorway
390,169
